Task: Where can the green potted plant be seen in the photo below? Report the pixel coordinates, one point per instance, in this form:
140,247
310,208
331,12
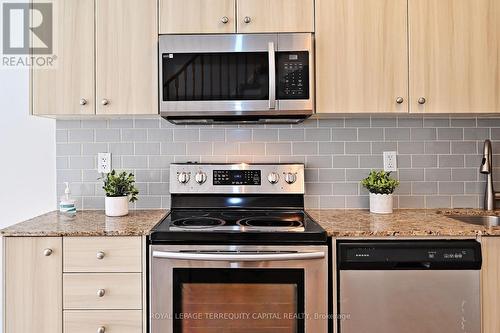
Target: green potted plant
381,187
120,189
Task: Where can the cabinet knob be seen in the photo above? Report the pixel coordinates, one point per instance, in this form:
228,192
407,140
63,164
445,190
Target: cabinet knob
224,19
101,292
422,100
105,102
247,19
100,255
83,101
400,100
101,329
47,252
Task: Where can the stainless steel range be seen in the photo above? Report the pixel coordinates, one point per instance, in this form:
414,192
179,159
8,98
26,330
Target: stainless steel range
238,253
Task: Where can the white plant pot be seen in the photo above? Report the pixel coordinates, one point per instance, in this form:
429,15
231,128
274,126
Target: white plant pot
381,203
116,206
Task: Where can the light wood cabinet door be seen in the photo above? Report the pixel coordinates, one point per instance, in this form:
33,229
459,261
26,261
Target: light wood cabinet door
454,56
256,16
490,284
117,321
361,56
33,284
68,87
197,16
126,57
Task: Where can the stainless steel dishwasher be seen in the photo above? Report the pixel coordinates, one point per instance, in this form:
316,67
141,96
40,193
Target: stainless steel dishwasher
409,286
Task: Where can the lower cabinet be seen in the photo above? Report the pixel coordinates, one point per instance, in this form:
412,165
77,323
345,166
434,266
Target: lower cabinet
33,284
51,290
491,284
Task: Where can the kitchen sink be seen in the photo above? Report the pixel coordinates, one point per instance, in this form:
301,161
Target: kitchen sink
488,221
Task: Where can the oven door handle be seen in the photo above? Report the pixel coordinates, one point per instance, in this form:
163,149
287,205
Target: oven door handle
239,257
272,76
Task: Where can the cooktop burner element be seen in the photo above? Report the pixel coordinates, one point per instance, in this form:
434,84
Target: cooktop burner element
200,222
236,204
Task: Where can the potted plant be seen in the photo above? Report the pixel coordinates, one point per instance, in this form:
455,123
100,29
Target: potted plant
120,189
381,187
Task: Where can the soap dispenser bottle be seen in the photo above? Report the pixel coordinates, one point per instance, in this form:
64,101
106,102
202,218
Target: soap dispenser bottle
67,204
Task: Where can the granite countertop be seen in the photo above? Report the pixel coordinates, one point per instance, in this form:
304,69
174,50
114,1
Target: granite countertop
411,222
337,222
88,223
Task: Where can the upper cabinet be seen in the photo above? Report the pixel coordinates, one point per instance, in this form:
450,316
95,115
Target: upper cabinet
126,65
197,16
236,16
106,60
256,16
69,87
454,56
361,56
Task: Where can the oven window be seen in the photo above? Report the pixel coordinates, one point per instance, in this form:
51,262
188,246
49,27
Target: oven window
215,76
238,300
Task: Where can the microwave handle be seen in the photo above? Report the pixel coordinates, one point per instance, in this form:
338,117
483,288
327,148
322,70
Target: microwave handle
272,75
239,257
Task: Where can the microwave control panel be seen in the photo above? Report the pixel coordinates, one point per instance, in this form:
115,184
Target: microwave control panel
293,75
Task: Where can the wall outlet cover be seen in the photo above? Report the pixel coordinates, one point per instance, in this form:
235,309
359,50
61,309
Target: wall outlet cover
390,161
104,162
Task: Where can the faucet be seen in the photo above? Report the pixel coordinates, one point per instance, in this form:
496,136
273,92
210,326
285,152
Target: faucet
490,196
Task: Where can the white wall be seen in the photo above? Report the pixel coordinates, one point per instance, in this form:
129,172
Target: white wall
27,153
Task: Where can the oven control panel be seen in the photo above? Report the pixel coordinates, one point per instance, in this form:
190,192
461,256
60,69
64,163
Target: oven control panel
237,178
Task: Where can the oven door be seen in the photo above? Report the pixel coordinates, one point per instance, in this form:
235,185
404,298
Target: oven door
257,289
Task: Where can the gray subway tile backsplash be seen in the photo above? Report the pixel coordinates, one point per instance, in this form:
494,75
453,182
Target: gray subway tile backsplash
438,157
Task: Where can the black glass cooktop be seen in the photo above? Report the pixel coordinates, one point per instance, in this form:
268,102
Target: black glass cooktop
238,225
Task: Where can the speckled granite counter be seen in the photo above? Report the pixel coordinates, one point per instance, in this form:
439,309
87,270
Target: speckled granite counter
413,223
87,223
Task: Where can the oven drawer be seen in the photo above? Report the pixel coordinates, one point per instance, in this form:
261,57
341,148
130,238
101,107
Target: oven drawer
102,291
113,321
102,254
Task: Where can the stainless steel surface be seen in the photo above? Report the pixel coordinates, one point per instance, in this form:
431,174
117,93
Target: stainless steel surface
83,101
101,292
256,256
105,102
176,170
315,270
487,221
272,75
224,19
101,329
422,100
409,301
288,111
100,255
247,19
47,252
400,100
490,196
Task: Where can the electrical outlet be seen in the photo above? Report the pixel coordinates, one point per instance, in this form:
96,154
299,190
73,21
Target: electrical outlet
104,162
390,161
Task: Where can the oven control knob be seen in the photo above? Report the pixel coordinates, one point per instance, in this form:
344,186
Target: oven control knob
200,177
290,178
273,178
183,177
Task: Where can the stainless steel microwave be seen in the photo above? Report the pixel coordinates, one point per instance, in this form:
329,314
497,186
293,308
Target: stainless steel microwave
236,78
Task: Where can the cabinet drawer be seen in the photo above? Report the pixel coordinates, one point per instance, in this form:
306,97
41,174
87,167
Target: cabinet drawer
113,321
102,291
102,254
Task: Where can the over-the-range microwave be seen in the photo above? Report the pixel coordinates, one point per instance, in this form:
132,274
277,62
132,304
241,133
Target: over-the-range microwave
236,78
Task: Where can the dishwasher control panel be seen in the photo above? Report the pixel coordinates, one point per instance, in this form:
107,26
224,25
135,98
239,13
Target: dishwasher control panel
409,255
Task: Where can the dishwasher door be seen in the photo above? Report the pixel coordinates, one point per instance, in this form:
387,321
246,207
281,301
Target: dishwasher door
409,287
